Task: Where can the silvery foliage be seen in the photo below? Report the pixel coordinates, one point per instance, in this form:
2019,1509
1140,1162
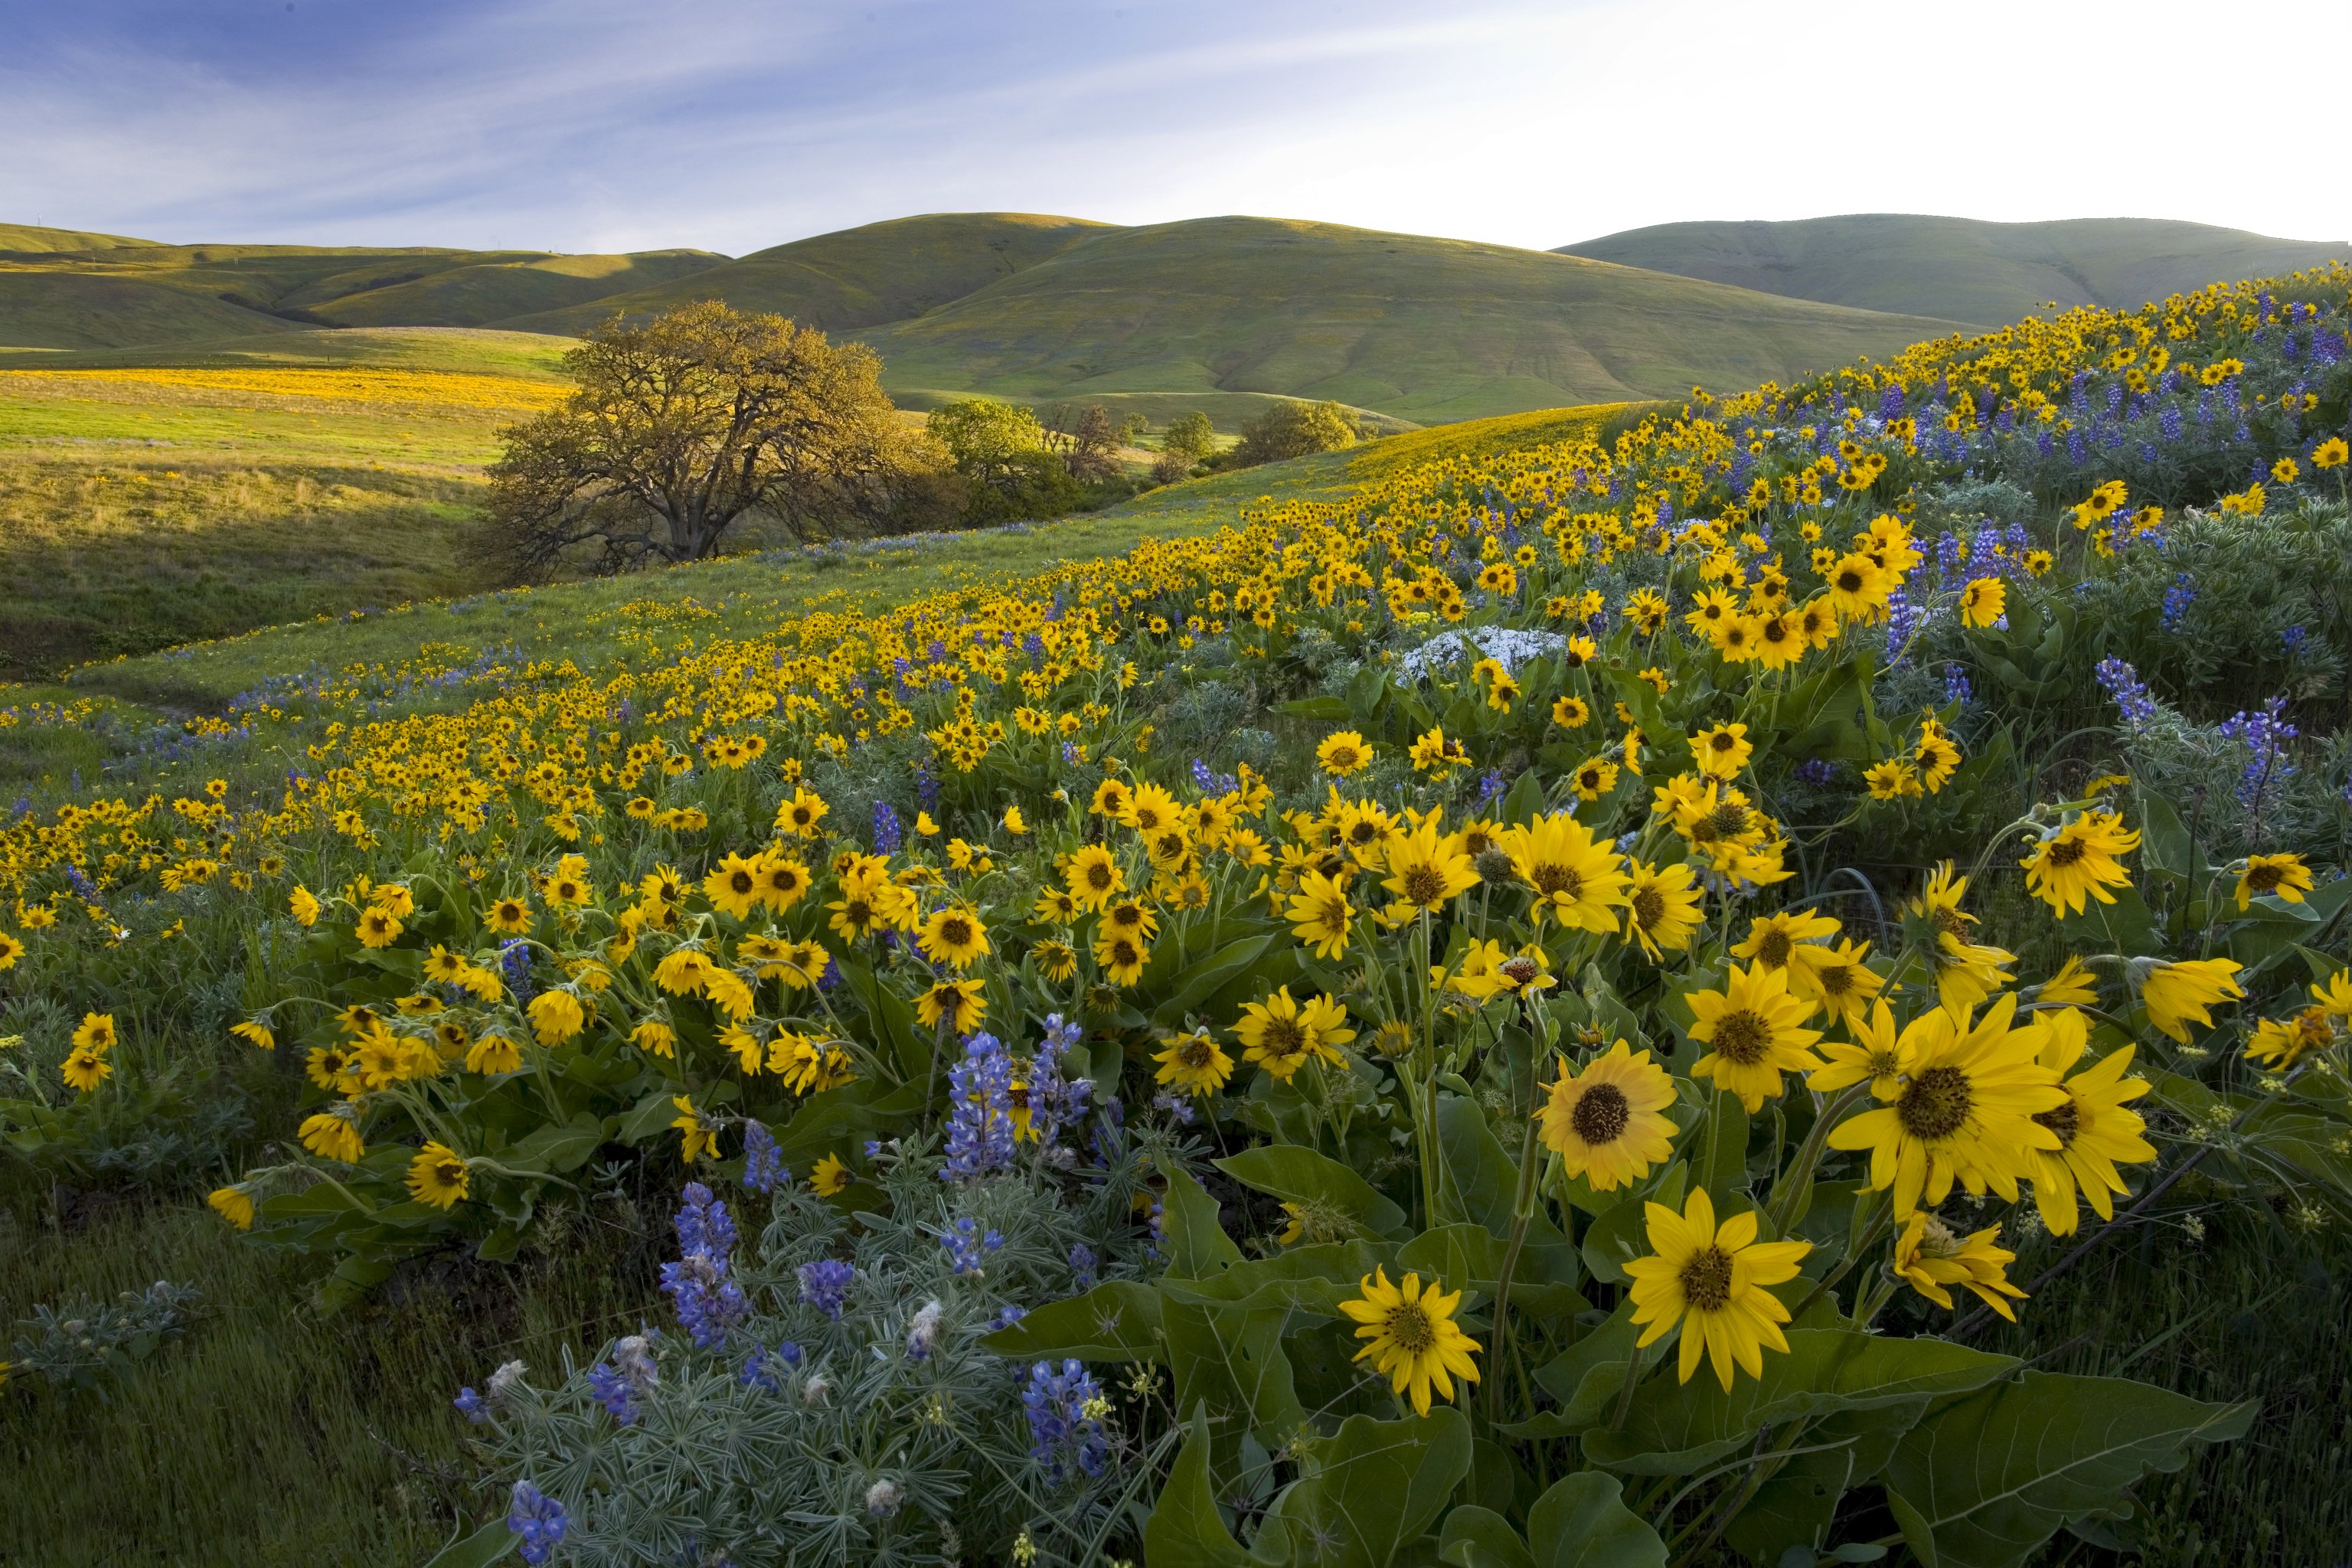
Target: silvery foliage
888,1436
1509,646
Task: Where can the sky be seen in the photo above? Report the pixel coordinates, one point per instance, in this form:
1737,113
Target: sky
731,125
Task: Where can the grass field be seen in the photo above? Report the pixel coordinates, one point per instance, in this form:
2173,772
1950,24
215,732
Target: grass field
1960,269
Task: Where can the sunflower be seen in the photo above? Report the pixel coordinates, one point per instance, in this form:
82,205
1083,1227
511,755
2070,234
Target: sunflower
1414,1341
784,881
1721,751
959,1001
84,1069
1929,1254
1752,1026
1343,754
829,1176
331,1135
2094,1130
2267,876
2074,985
1151,808
509,915
439,1176
1966,1112
555,1017
1983,602
1570,713
1608,1123
734,887
1194,1064
494,1054
953,935
1094,875
95,1034
698,1136
1426,870
1320,914
1111,799
2176,993
1716,1277
378,928
1056,960
2277,1044
1576,881
800,815
1594,778
1786,940
2078,861
11,949
1121,957
1840,983
1877,1054
1662,907
1858,587
1279,1035
1966,972
234,1205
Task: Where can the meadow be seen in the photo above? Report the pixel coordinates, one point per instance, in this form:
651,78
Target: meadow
1755,980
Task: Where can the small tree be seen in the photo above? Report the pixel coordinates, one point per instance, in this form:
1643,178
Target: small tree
1187,438
683,425
1289,429
1005,458
1131,429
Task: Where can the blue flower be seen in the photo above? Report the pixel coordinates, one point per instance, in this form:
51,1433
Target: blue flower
824,1285
1063,1437
538,1518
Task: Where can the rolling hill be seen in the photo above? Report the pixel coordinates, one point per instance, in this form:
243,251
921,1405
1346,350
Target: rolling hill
61,309
1958,268
1426,330
30,239
854,277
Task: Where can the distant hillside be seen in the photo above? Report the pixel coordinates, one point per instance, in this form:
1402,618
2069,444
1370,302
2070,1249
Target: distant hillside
1960,269
42,309
529,356
1423,329
854,277
28,239
475,296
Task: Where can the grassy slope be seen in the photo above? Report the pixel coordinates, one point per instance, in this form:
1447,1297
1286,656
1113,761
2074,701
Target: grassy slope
534,356
31,239
1425,329
1958,267
490,292
857,277
58,310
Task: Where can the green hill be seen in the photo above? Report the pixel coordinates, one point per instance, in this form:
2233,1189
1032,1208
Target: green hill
854,277
1422,329
30,240
1958,268
534,356
475,296
58,310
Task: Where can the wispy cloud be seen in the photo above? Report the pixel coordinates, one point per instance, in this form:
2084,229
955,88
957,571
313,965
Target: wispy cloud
736,124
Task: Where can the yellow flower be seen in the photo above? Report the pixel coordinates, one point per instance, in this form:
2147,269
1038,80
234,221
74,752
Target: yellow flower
1928,1255
2175,994
2330,453
1576,881
2095,1130
378,928
1014,822
1571,713
1662,906
1094,875
1877,1055
11,949
95,1034
1279,1035
1194,1064
1965,1111
1121,957
1713,1280
508,916
1320,914
2074,985
829,1176
331,1135
799,816
1056,960
555,1017
1425,870
1983,602
1343,754
304,904
734,886
1414,1341
84,1069
1608,1123
439,1176
953,935
699,1137
959,1001
493,1053
1721,751
2272,875
232,1204
2078,861
1839,981
2277,1044
1752,1029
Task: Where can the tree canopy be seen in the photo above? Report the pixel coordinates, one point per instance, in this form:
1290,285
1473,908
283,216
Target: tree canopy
1289,429
683,425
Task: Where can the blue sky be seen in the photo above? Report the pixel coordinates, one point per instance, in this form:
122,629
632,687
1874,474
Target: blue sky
593,125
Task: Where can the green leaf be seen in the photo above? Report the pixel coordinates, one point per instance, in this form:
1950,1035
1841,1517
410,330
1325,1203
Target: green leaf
1797,1506
1232,1360
1677,1428
2166,848
1312,1180
1185,1529
1485,1179
479,1550
1188,990
1583,1522
1718,1149
1119,1319
1478,1537
1622,1234
1983,1482
1314,1279
1369,1492
1197,1243
1331,708
557,1149
1526,802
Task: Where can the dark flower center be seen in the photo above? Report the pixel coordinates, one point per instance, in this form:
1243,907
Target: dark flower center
2065,1120
1936,1104
1649,908
1410,1327
1775,948
955,931
2066,852
1424,884
1285,1037
1560,881
1742,1038
1706,1279
1601,1116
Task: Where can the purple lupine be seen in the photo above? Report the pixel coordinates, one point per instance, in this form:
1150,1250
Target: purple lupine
538,1518
707,1300
2131,694
764,1162
1064,1438
979,1121
968,1247
2177,600
824,1285
2265,735
627,1377
1083,1265
886,833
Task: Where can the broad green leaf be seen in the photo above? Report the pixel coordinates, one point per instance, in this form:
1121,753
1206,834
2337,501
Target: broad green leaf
1622,1234
1585,1378
1369,1492
1312,1180
1331,709
1583,1522
1197,1244
1485,1179
1231,1359
1796,1507
479,1550
1119,1319
1983,1482
1478,1537
1718,1150
1314,1279
1525,803
1187,991
1677,1428
1185,1529
558,1149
